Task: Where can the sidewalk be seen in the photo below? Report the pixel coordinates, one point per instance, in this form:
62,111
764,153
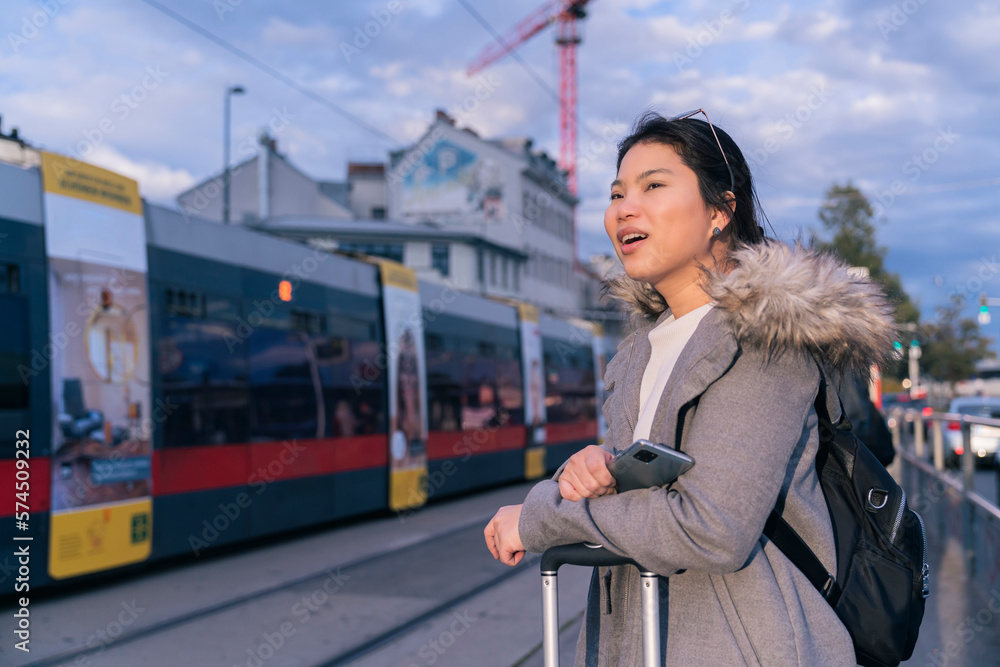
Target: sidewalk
961,626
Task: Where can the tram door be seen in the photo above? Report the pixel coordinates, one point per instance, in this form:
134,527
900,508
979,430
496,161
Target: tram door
534,390
101,486
404,336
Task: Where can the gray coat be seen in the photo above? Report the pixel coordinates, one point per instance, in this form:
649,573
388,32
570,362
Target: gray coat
740,401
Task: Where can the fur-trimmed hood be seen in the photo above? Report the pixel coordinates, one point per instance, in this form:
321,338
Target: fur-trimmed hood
782,297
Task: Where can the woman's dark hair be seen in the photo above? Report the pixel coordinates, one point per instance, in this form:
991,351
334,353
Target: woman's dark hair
692,139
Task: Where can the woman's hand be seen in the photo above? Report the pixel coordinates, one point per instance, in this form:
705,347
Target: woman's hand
502,536
586,475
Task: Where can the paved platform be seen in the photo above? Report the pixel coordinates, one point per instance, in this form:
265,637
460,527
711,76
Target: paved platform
961,625
498,627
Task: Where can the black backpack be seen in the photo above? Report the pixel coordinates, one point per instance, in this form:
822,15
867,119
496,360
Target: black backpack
882,578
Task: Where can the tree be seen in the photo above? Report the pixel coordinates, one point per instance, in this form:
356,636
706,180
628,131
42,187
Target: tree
952,344
847,214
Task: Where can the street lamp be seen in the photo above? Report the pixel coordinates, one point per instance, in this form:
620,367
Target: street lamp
232,90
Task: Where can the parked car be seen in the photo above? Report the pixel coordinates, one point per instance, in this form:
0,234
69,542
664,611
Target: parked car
985,382
984,440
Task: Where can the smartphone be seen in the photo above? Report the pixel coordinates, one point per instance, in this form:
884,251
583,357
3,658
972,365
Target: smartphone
646,464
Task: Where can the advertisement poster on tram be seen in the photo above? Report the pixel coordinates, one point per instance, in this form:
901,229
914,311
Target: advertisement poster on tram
404,336
534,390
101,505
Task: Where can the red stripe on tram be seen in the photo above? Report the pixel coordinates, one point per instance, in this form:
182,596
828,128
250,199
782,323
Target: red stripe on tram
188,469
451,444
559,433
39,480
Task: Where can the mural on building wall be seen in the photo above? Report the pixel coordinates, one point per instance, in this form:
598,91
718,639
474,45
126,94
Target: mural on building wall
450,180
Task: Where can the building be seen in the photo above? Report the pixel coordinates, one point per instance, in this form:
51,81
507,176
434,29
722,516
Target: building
262,187
463,260
366,190
494,217
501,190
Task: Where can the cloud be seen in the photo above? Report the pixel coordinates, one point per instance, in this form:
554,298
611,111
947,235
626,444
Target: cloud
976,32
157,182
756,73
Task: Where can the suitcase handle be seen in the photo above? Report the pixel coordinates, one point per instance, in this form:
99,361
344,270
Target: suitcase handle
582,553
594,555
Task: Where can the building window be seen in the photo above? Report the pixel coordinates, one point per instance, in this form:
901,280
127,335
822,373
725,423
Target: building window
439,257
393,251
517,276
378,213
503,272
493,269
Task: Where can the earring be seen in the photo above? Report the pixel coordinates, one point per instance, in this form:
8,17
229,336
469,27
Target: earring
716,231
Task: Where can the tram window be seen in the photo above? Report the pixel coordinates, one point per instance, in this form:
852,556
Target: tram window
293,374
10,279
306,322
354,382
14,352
343,327
354,390
434,342
185,303
284,394
220,308
203,372
510,383
569,382
473,383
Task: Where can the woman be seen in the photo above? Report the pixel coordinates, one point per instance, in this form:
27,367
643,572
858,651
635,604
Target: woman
729,373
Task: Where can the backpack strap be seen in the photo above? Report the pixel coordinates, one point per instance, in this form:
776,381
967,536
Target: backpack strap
788,541
785,538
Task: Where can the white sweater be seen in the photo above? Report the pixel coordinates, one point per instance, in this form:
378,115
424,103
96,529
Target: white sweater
668,339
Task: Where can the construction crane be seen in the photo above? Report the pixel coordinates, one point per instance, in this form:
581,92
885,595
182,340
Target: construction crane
566,13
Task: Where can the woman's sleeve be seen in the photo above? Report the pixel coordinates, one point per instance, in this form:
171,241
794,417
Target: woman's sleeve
742,436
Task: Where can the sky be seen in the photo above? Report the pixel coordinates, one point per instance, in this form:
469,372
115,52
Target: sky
899,98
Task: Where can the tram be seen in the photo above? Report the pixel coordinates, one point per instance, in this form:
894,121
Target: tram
183,385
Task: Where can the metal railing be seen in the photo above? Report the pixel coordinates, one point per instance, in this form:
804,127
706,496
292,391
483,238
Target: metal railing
950,506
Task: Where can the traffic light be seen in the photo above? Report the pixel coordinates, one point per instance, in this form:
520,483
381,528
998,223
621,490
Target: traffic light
984,310
897,349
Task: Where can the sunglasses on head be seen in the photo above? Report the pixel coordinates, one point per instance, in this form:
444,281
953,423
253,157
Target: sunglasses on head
732,181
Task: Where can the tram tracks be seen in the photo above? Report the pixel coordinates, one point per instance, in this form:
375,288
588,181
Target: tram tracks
402,629
436,567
